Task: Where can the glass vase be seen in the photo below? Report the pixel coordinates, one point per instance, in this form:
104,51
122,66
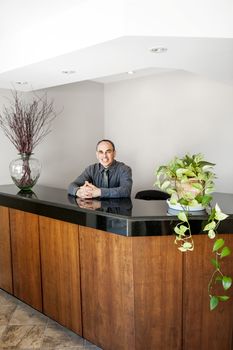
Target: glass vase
25,171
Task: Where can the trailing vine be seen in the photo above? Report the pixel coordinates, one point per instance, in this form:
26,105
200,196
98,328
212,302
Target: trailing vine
189,181
220,250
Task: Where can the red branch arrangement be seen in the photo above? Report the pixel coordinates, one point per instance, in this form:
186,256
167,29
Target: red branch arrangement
27,123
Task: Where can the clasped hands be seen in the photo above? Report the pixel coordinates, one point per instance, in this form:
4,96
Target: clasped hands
88,190
88,203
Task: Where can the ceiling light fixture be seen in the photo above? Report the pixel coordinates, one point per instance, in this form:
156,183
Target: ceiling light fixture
67,71
130,72
158,49
21,82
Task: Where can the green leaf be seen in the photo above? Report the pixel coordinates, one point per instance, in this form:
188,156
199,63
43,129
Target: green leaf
193,203
209,190
182,249
217,209
173,199
210,226
180,172
211,234
220,216
178,231
183,228
204,163
212,214
183,201
187,245
199,198
213,302
218,244
223,297
197,186
225,252
165,184
206,199
215,263
226,282
161,168
182,216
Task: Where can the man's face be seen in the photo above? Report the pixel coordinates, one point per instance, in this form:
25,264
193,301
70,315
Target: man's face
105,154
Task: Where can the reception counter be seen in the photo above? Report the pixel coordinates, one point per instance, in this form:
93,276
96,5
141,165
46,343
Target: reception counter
109,269
124,216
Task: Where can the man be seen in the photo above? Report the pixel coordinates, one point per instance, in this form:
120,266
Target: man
106,179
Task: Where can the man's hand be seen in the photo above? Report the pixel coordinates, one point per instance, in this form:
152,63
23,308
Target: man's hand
96,192
88,191
84,191
88,203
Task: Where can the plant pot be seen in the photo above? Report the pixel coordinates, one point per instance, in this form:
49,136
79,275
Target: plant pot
180,207
187,187
25,171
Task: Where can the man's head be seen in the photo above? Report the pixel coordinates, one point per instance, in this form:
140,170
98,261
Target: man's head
105,152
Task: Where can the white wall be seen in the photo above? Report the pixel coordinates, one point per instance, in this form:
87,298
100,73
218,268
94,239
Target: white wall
70,147
154,118
7,150
150,119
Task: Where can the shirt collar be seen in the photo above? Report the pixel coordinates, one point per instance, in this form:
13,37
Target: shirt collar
110,168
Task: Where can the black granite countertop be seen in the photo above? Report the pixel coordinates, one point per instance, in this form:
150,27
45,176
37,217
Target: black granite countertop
125,216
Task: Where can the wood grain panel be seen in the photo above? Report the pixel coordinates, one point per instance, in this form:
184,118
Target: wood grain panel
61,272
5,251
205,329
157,268
26,257
107,289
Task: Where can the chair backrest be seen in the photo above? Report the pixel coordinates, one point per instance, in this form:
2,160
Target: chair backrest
152,195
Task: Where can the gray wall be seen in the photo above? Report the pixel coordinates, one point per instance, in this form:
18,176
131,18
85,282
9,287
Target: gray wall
7,151
71,144
154,118
150,119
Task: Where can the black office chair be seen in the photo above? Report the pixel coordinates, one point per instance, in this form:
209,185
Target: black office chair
152,195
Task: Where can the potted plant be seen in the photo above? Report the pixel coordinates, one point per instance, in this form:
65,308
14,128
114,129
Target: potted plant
190,181
26,123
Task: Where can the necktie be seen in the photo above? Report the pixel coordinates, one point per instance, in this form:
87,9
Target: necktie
105,178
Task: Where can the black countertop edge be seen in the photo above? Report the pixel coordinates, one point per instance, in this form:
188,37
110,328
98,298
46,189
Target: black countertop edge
13,201
101,221
39,206
60,208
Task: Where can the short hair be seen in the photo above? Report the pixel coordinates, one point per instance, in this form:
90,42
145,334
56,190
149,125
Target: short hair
105,140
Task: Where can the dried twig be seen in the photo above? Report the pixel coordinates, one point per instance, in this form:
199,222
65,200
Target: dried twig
27,123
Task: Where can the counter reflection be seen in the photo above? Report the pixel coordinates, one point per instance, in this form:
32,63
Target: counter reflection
120,206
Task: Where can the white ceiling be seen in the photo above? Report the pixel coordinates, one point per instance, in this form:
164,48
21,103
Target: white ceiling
104,40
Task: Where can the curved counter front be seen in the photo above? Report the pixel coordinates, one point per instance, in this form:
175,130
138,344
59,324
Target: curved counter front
109,269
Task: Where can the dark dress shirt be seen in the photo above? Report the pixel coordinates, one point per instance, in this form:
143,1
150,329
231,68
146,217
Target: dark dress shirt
120,180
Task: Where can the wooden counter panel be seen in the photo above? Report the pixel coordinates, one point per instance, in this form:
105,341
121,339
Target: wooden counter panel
5,251
107,289
61,272
205,329
26,257
119,292
157,271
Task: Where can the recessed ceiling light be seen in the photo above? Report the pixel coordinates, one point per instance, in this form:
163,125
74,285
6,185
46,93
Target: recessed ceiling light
21,82
130,72
158,49
67,71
